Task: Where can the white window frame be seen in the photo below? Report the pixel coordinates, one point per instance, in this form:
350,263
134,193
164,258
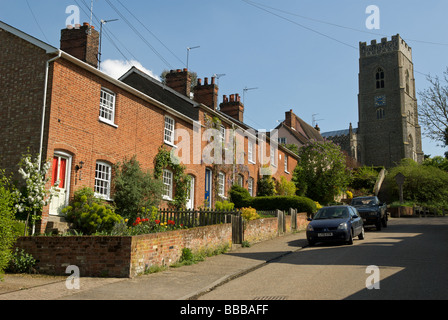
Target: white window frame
222,133
273,157
282,140
168,131
103,179
286,164
250,151
107,106
250,186
167,184
221,184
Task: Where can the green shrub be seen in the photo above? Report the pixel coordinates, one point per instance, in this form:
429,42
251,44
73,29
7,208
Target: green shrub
224,205
21,262
364,178
239,196
302,204
285,187
89,216
423,184
7,232
266,186
134,189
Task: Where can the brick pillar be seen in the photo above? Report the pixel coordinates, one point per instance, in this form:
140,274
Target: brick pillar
179,80
233,107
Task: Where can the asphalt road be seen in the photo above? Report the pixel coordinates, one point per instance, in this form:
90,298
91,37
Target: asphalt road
411,257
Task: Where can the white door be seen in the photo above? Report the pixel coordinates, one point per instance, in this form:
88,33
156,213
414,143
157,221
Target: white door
190,200
60,178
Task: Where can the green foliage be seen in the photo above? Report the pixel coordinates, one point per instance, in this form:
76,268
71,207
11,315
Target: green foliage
266,186
364,178
285,187
239,196
165,159
302,204
423,184
89,215
7,231
224,205
321,172
21,262
438,162
134,189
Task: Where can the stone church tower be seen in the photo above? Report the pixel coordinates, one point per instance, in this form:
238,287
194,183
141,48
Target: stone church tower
388,128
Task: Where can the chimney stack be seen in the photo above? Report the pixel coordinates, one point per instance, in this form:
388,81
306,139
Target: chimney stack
232,106
290,119
82,42
179,80
206,93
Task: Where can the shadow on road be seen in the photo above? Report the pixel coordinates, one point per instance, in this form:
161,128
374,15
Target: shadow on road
415,246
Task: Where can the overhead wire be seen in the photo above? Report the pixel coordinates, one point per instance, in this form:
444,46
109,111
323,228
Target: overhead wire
146,28
35,20
139,35
259,6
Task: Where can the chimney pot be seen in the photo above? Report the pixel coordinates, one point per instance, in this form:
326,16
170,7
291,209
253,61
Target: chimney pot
205,81
199,82
213,80
185,69
232,98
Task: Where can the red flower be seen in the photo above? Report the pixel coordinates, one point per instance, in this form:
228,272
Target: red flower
157,221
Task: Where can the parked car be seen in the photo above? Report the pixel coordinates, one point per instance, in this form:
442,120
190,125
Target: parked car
335,223
372,211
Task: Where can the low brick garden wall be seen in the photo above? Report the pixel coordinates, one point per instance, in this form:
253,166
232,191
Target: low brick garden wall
114,256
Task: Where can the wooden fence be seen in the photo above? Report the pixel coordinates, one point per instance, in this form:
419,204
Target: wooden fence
196,218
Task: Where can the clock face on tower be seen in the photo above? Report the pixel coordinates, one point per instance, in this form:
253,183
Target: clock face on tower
380,100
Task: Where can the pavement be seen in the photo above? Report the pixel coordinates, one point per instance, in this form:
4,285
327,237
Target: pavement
182,283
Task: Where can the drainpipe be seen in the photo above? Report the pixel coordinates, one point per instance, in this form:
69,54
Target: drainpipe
45,105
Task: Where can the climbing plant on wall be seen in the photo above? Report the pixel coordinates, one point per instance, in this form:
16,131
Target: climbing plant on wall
164,160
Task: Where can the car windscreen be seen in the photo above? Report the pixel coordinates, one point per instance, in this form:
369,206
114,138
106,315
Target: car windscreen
363,202
332,213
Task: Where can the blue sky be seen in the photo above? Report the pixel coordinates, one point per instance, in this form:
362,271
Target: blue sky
298,54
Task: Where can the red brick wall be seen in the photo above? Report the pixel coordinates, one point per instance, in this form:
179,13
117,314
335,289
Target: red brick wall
129,256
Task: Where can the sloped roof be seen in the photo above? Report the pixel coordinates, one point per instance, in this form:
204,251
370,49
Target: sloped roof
159,91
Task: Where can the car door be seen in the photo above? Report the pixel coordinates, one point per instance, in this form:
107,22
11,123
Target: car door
356,221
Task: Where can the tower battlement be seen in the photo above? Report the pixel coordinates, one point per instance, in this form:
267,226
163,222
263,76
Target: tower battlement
375,49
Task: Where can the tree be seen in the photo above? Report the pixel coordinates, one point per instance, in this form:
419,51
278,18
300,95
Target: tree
321,173
433,111
34,195
134,189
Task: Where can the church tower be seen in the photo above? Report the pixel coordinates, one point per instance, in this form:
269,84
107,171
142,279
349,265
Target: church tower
388,128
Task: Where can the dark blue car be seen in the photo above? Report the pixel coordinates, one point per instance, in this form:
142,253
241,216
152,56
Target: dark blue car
335,223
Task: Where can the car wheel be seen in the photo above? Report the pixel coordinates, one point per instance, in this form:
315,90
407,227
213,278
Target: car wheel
378,226
384,222
350,240
361,235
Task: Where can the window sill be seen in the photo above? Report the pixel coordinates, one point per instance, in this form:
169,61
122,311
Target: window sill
107,122
167,198
170,144
287,172
251,161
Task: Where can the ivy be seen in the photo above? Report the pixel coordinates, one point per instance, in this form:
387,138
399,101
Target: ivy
164,159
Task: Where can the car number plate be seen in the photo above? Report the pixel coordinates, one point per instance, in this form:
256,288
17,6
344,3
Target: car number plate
325,234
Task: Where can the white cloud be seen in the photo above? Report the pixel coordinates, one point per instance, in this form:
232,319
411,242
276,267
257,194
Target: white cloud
117,68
